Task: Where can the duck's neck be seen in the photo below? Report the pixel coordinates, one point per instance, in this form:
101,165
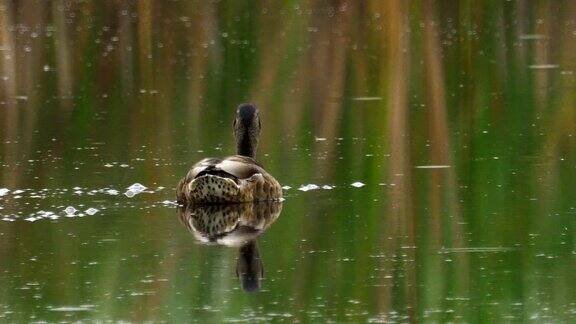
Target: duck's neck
245,146
249,266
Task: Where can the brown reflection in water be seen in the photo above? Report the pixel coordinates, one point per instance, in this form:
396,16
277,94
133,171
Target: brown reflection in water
146,9
8,69
234,225
64,56
559,129
8,90
398,231
125,44
202,21
542,54
445,221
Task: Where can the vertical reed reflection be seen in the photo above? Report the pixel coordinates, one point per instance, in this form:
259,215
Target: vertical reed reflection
63,52
8,68
145,26
126,46
399,228
445,219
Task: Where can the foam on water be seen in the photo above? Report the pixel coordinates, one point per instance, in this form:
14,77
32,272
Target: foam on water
137,187
478,249
367,98
112,192
91,211
79,308
358,184
308,187
432,166
13,207
134,190
543,66
70,211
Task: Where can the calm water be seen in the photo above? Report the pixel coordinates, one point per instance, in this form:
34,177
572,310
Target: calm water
428,151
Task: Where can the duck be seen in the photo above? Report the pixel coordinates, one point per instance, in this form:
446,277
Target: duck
238,178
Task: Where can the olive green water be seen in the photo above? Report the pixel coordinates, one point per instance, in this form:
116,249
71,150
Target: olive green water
438,140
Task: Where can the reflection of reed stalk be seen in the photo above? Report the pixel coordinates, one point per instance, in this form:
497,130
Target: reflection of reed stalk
145,39
64,58
8,69
125,43
329,68
400,227
445,218
542,55
560,128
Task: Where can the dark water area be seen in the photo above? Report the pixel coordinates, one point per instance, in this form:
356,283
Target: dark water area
427,152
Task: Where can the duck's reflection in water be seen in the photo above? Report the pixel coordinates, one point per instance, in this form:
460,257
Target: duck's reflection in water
234,225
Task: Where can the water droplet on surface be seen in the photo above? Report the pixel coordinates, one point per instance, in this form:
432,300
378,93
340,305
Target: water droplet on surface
358,184
112,192
137,188
70,211
169,203
91,211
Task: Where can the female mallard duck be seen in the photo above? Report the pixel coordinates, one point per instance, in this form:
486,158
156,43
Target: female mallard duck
234,179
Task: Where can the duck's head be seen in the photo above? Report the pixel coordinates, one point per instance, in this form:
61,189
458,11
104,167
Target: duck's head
247,129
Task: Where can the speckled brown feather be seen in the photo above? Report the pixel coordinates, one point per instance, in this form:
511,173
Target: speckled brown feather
230,180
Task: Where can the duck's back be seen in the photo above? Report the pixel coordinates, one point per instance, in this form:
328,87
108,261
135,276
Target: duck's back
232,179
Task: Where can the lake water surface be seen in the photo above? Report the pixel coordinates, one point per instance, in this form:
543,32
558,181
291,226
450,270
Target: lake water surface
427,149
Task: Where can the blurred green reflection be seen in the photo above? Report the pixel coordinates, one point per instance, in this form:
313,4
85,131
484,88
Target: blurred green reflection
455,119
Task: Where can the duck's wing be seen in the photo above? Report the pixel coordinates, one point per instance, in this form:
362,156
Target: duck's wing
202,165
195,170
241,167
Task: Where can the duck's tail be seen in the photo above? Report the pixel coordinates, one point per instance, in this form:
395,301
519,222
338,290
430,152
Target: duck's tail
211,188
217,186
